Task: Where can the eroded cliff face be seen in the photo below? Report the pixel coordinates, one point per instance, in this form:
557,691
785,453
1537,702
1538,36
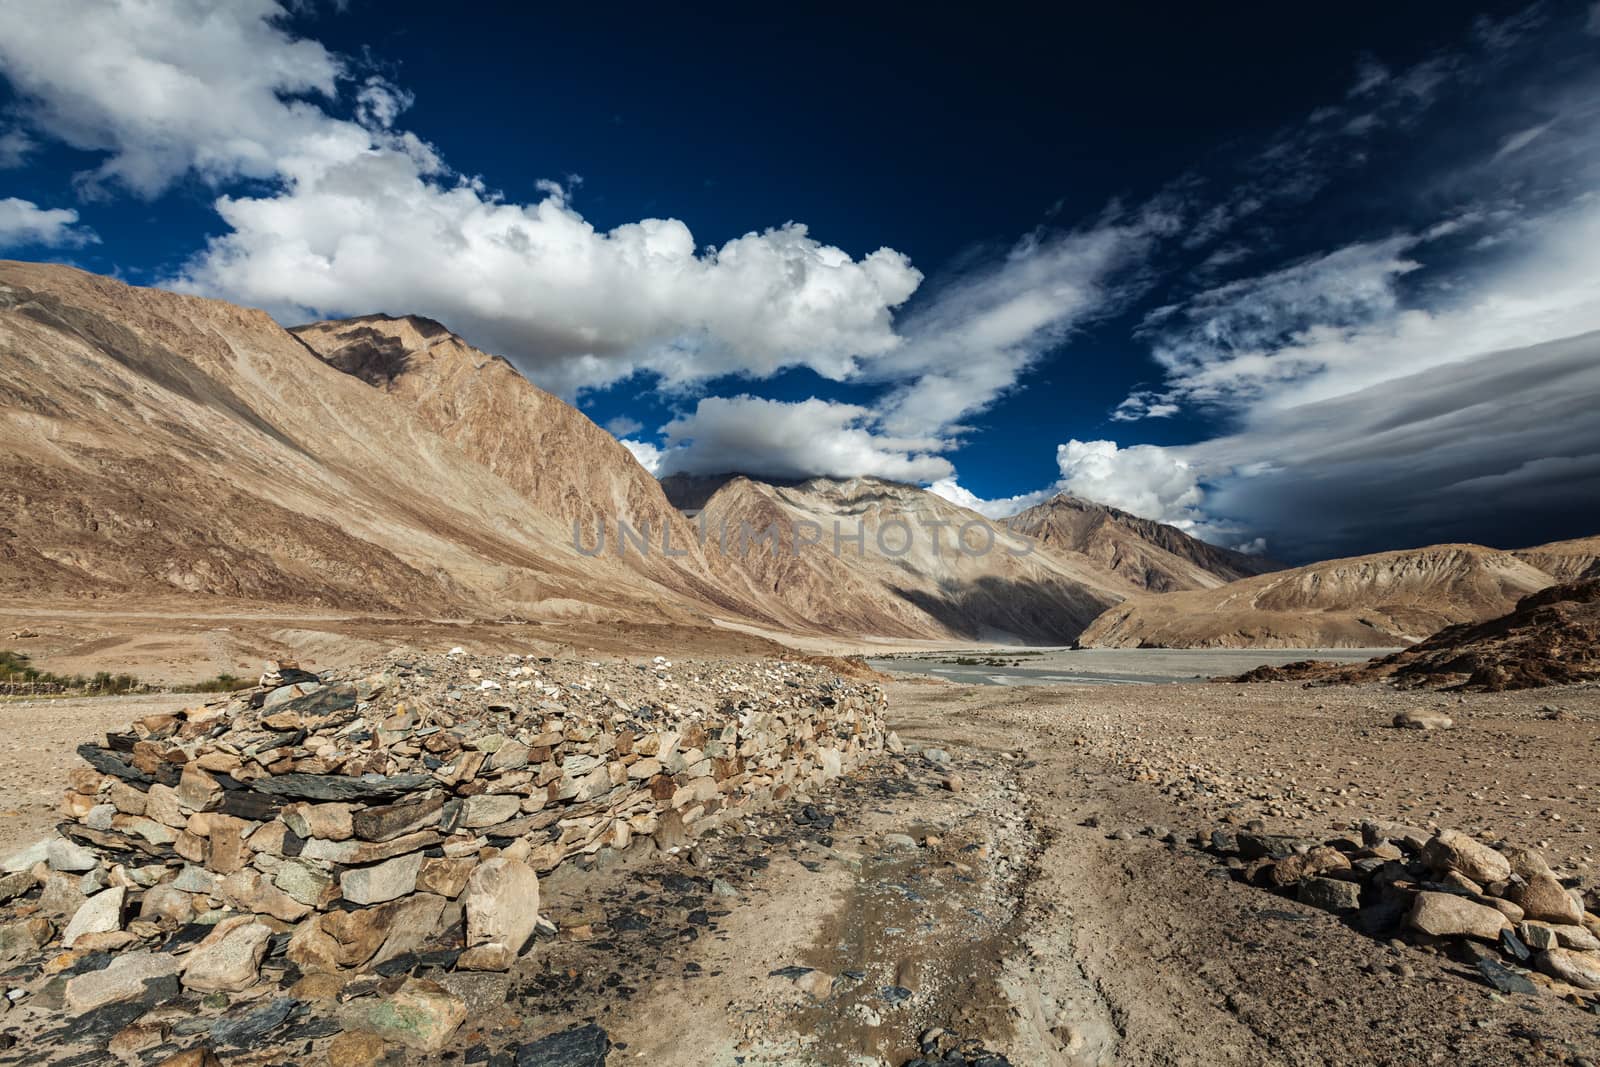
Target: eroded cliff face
1385,599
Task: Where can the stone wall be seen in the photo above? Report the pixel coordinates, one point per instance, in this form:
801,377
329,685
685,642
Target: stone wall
376,814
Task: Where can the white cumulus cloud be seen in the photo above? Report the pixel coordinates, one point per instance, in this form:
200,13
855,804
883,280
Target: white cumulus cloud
23,223
362,216
779,439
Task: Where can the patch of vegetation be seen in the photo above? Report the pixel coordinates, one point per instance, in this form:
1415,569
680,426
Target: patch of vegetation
222,683
17,671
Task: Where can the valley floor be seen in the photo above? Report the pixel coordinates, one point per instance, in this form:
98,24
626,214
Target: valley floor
1033,910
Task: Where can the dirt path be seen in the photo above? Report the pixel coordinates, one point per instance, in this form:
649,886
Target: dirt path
38,742
1136,952
1049,909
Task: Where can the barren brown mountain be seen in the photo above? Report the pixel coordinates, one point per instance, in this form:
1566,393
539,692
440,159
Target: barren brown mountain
156,443
559,460
897,581
162,444
1385,599
1566,561
1153,556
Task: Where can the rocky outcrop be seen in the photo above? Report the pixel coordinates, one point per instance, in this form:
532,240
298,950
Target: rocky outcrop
1552,637
1153,556
1492,904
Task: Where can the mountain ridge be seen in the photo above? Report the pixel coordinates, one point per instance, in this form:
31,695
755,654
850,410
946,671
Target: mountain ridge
1378,600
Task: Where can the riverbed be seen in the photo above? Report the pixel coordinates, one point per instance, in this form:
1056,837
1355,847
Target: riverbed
1106,666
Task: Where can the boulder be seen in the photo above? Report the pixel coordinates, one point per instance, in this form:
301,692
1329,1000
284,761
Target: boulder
356,1048
1544,899
384,881
502,904
1330,894
24,859
127,977
1314,862
1581,969
490,809
64,855
1547,935
420,1015
1447,915
388,821
1525,863
63,895
1451,850
14,885
99,914
331,822
229,958
249,890
1423,719
22,939
167,902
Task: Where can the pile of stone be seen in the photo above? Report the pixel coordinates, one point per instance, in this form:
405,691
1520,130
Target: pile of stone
1497,907
378,819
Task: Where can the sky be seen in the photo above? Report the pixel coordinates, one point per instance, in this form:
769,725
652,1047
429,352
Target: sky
1308,283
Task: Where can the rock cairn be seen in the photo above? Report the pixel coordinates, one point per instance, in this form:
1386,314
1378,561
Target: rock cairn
1498,908
373,819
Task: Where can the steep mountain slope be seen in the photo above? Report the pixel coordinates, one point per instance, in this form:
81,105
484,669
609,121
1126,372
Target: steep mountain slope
155,444
553,455
896,581
1153,556
1388,598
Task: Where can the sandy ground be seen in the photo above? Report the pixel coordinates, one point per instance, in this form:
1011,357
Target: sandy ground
38,739
173,642
810,934
1137,955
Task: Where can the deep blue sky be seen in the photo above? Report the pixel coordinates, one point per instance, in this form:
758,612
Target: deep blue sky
948,139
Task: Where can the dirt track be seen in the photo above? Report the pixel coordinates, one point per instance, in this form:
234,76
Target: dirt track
806,935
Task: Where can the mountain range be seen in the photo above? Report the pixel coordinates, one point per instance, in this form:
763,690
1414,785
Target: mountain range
161,445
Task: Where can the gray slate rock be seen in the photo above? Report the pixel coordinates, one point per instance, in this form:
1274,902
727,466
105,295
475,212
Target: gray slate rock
1503,978
332,787
241,1030
583,1046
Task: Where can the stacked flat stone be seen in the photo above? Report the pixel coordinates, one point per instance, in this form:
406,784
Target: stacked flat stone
408,809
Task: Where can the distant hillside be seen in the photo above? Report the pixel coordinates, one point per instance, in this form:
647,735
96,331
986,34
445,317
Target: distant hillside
1153,556
1388,598
156,444
1010,591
